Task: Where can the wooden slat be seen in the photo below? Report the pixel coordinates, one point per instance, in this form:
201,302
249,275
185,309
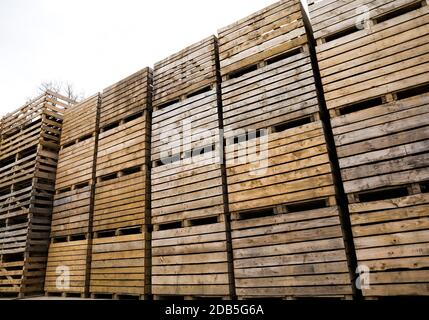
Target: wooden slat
118,265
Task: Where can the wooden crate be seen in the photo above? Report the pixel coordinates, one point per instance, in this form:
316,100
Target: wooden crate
122,201
295,167
376,85
75,165
126,98
389,53
269,32
67,259
29,144
80,122
123,147
119,266
71,212
185,73
391,238
273,94
190,259
290,254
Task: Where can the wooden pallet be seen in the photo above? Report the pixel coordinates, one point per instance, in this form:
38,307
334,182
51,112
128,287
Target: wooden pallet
390,54
119,266
126,98
29,145
190,258
67,258
270,32
185,72
377,91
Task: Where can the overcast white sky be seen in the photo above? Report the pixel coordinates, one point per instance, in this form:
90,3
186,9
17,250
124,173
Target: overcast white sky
95,43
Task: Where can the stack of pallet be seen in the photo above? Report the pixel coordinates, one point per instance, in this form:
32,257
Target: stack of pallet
374,62
29,147
189,247
287,237
73,206
120,261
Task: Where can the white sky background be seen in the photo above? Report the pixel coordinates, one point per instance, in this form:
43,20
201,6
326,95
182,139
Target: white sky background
95,43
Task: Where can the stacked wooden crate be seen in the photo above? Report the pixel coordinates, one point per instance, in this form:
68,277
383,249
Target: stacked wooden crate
120,249
29,147
73,203
189,242
287,236
374,62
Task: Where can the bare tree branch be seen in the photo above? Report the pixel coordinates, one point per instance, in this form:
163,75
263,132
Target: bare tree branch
66,89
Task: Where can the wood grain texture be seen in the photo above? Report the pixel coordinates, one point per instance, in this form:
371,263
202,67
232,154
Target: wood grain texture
190,261
126,97
185,72
266,33
118,265
291,255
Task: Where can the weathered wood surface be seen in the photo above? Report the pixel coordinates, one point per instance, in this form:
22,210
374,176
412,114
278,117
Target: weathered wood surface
126,98
185,191
121,202
384,57
392,239
124,147
190,261
291,255
72,258
75,164
80,121
293,166
384,146
266,33
71,212
118,265
271,95
185,72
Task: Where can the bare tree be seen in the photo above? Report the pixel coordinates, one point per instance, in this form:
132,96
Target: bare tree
64,88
